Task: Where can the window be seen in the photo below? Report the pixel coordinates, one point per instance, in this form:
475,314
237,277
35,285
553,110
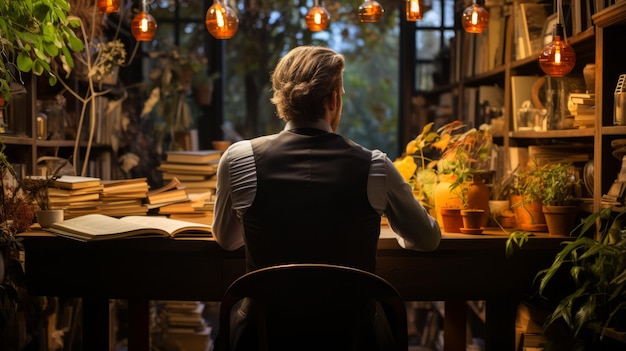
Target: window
267,31
432,45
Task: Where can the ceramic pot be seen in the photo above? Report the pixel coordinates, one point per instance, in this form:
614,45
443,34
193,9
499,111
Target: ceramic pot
46,218
589,75
528,216
444,198
478,195
560,219
500,213
472,219
452,222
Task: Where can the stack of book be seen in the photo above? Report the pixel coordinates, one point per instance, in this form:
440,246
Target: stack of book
198,208
76,195
185,325
171,193
124,197
583,107
195,169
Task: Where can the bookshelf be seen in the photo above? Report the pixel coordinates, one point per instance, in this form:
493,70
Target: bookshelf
599,31
26,145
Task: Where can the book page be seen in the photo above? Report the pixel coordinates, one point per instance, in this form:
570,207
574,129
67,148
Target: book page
100,225
172,226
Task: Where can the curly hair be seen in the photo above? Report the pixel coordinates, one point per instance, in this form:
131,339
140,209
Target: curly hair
303,79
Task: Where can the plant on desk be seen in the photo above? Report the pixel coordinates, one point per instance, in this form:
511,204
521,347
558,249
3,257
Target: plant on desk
559,186
587,278
467,157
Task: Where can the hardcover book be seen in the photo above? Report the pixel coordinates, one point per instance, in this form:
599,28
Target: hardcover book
92,227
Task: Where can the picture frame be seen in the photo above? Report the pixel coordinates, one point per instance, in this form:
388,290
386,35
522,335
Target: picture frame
548,28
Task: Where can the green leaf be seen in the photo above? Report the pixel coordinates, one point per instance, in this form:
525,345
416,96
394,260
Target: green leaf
24,62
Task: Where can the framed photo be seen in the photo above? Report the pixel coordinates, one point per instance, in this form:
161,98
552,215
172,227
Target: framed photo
548,28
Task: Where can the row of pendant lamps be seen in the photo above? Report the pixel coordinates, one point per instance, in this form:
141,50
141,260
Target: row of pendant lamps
369,11
557,59
220,20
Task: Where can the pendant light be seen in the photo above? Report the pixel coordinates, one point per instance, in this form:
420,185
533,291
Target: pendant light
370,11
143,26
557,59
318,17
475,18
108,6
413,10
221,21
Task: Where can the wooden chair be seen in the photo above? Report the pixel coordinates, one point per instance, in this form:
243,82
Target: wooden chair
315,307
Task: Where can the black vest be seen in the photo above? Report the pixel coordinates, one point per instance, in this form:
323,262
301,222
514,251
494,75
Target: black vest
311,203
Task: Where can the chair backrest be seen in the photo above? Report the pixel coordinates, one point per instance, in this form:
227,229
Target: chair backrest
307,302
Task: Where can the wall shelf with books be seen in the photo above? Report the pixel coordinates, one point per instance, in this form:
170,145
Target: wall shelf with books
598,34
610,29
26,144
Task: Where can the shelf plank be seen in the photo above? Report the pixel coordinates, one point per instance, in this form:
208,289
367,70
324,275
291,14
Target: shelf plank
561,133
612,15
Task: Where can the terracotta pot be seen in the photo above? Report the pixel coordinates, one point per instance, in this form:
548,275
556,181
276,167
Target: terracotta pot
498,211
478,195
528,216
472,219
561,220
452,220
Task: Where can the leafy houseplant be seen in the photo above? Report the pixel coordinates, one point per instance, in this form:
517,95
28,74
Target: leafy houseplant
593,295
418,166
467,157
553,186
37,35
527,200
170,83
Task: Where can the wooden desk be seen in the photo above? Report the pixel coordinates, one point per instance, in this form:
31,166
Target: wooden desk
463,268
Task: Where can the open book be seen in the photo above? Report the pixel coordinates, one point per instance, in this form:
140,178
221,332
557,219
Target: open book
93,227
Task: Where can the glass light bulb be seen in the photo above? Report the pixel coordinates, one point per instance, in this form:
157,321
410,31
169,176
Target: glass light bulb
414,10
108,6
317,19
143,26
370,11
475,19
221,21
557,59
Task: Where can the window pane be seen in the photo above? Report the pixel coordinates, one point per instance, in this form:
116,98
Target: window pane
448,13
432,17
424,76
427,44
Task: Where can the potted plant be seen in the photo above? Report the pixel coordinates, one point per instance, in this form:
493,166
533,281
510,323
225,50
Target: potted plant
526,201
558,206
587,279
467,158
170,82
418,166
36,189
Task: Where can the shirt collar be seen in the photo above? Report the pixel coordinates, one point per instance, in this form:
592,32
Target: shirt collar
319,124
